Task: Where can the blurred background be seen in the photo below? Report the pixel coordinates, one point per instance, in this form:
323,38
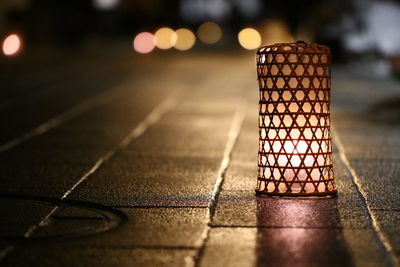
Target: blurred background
363,34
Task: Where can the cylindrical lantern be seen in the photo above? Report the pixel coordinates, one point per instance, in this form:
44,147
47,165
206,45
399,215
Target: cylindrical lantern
295,151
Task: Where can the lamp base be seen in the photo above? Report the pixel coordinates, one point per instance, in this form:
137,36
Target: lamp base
332,193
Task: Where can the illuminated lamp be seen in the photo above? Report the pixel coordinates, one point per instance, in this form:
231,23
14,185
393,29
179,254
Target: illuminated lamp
295,146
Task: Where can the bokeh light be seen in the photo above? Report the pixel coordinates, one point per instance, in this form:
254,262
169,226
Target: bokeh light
249,38
165,38
209,32
185,39
11,45
144,42
106,4
276,31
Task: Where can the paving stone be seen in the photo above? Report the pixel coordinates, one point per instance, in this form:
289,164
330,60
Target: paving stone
150,181
365,140
242,171
18,215
162,257
187,132
379,179
39,102
343,181
243,208
363,248
70,220
104,126
241,176
367,123
159,169
230,247
52,169
60,154
175,163
39,179
62,256
301,247
389,223
292,247
151,236
150,227
360,95
73,83
275,247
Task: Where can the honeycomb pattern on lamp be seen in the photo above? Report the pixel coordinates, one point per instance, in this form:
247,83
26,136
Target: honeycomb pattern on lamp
295,147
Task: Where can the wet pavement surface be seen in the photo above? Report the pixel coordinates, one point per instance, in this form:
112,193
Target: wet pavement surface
115,160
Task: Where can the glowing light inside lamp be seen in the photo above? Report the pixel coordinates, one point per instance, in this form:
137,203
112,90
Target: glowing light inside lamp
249,38
144,43
209,32
165,38
185,39
11,45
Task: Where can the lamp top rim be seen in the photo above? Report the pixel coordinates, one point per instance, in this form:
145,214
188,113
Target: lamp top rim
294,47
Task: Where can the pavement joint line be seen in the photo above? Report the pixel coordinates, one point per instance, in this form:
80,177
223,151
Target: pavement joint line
130,247
383,240
278,227
151,247
158,207
233,135
74,111
145,124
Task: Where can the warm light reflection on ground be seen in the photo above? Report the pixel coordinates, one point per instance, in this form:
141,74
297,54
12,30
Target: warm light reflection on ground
303,225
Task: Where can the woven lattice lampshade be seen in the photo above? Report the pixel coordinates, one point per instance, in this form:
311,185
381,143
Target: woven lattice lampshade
295,151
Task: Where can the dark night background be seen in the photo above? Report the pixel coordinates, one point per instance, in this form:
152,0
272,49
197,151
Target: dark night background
357,31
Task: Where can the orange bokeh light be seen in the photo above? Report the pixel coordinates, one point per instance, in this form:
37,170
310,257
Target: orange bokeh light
209,32
165,38
249,38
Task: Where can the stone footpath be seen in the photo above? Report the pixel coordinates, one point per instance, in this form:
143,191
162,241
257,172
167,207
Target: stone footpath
151,161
